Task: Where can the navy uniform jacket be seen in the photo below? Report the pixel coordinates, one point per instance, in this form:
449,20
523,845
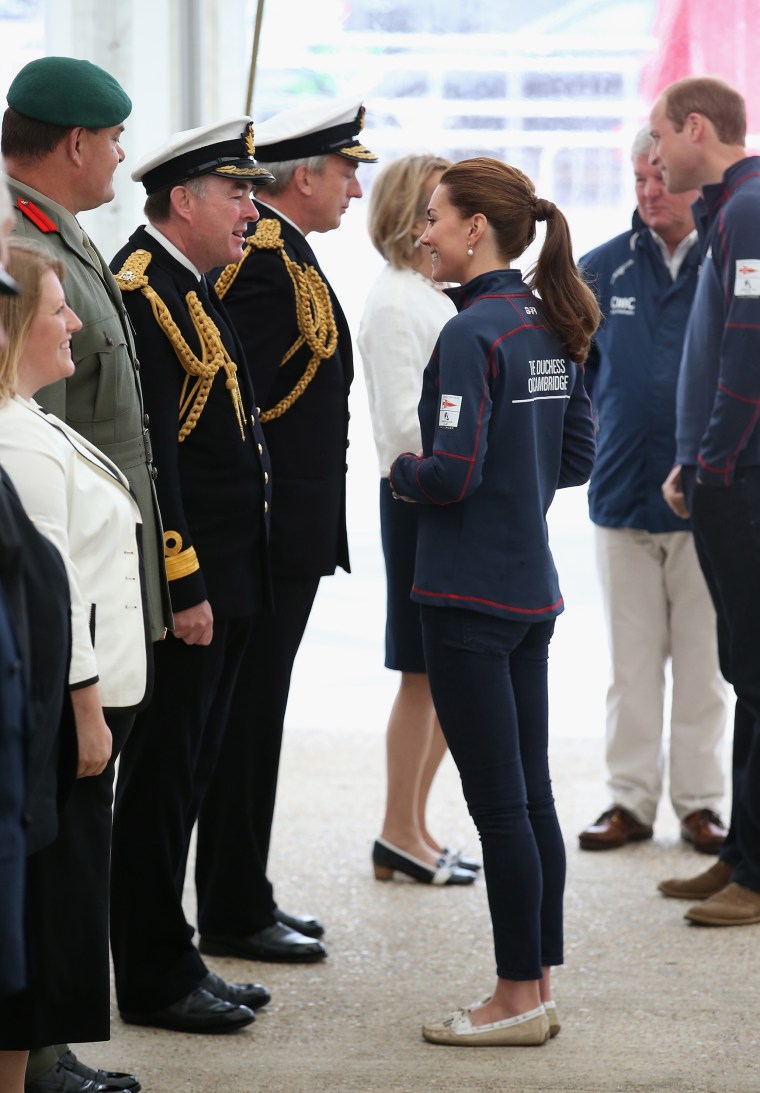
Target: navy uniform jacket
718,402
307,443
505,421
631,376
213,485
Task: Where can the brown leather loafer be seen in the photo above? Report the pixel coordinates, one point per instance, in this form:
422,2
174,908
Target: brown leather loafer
614,828
734,905
705,830
702,886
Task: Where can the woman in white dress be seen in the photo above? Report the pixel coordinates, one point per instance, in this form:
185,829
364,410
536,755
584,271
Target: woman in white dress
403,316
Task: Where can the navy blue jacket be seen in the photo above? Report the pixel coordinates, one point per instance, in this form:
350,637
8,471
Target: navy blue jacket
505,420
718,401
213,486
307,444
631,376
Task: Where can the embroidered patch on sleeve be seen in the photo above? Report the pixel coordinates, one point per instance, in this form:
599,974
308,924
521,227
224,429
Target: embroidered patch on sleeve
747,281
448,418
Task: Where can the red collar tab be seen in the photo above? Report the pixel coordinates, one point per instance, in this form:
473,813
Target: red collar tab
40,219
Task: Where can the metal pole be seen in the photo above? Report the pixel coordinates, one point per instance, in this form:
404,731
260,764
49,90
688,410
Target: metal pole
254,55
192,17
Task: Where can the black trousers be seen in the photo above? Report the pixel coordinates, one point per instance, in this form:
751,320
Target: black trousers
235,824
163,776
488,677
69,993
726,524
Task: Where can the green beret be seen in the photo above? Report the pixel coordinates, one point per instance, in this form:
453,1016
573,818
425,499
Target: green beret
70,92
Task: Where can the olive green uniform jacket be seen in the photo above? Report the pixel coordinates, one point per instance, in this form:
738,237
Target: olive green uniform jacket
103,399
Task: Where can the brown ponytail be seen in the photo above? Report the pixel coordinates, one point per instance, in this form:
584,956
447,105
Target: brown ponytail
507,198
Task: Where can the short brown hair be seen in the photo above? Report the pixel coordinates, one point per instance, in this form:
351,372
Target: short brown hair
714,99
399,198
507,199
26,139
27,263
158,205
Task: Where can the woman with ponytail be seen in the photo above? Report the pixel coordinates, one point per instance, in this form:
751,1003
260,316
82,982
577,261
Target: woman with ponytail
505,422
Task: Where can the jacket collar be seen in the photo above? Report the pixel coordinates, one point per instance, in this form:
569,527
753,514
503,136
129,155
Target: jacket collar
497,282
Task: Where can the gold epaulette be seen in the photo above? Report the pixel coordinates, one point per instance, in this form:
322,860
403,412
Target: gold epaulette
131,276
314,312
266,237
193,397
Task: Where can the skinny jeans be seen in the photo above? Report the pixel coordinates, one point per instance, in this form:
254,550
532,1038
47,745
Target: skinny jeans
488,678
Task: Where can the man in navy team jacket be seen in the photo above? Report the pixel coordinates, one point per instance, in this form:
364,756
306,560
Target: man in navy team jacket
698,130
656,601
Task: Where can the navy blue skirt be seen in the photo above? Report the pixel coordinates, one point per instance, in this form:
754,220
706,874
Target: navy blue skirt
403,633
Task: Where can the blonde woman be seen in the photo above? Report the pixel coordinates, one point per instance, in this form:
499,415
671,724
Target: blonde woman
403,316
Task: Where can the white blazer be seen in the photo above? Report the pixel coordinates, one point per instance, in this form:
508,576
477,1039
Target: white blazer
81,501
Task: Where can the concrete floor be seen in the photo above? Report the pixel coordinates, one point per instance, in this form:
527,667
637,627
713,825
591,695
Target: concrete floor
648,1002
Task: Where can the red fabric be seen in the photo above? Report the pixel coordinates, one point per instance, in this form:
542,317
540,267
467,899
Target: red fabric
704,38
40,219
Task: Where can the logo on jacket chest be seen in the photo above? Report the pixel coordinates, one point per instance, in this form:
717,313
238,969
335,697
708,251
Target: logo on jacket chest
622,305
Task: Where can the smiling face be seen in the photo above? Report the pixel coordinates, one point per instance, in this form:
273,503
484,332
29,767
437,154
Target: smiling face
446,235
219,217
331,191
421,260
667,214
46,353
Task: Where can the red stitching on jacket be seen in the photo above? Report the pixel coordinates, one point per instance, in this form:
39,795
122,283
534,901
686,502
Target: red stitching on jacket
490,603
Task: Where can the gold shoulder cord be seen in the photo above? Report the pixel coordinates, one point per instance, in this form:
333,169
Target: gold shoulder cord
131,278
314,312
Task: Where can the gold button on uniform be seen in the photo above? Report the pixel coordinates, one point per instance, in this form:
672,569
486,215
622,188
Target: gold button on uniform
266,506
261,448
266,478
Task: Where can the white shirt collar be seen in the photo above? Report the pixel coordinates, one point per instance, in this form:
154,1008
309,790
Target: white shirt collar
175,252
282,216
674,261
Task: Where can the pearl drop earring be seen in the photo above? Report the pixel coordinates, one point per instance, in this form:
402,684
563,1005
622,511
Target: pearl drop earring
470,251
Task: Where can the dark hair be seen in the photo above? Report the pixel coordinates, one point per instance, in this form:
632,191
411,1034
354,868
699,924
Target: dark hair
26,139
714,99
507,199
158,205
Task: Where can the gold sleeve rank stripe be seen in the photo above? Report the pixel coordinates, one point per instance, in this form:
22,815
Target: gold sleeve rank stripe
179,562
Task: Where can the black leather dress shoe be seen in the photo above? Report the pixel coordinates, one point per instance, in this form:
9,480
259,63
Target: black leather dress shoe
276,944
253,995
198,1011
112,1080
60,1080
302,924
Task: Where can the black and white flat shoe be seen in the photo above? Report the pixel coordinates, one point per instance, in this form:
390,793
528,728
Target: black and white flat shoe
388,859
456,857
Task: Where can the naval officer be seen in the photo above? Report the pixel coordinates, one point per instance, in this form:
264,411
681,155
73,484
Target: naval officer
298,347
213,488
